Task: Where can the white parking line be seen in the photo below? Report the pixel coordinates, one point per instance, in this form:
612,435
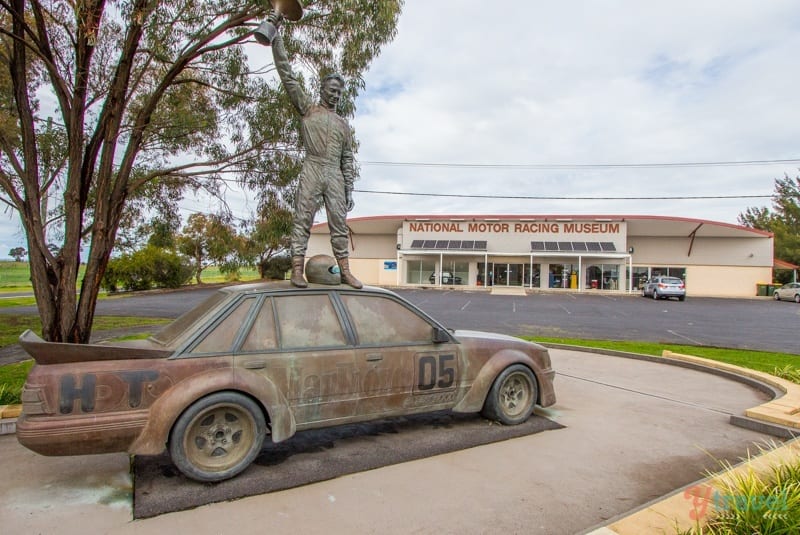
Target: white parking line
685,337
565,309
466,305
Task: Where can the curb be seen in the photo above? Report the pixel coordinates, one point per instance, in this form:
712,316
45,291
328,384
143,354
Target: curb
8,418
686,508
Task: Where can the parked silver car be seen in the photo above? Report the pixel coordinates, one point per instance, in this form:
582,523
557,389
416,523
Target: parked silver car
789,291
664,288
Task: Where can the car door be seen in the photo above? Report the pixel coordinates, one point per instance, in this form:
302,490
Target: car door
400,368
298,342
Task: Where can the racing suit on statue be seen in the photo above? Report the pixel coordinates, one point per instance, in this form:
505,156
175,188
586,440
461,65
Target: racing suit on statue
327,172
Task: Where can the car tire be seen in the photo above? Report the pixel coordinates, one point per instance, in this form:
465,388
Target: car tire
512,396
797,298
217,437
655,294
681,298
776,296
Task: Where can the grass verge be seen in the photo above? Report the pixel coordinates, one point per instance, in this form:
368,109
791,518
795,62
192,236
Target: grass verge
14,325
764,361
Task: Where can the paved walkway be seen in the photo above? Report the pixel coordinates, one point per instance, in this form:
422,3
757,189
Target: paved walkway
635,431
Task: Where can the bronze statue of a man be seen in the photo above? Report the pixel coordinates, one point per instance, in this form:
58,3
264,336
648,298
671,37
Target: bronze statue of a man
328,170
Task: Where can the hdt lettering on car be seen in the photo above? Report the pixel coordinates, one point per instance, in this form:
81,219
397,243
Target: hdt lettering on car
86,391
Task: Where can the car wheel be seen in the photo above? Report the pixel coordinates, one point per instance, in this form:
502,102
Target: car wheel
797,298
655,294
512,396
681,297
217,437
776,296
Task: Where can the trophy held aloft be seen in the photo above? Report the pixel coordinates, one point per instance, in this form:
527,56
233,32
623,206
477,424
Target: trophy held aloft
281,9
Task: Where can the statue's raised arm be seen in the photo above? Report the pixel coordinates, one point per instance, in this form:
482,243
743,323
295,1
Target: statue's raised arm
328,169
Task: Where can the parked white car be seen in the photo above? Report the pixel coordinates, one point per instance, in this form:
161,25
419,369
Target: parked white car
664,288
789,291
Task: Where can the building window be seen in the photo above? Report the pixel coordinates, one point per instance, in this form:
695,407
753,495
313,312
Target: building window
563,276
419,271
668,271
639,277
602,276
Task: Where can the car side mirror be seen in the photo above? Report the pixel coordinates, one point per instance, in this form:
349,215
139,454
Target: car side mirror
440,336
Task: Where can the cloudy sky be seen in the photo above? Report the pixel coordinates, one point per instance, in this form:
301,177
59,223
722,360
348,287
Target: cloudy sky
578,106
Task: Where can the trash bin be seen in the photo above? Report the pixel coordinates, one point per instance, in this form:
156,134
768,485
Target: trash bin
761,290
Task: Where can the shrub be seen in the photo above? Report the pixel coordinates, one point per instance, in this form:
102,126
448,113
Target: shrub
276,267
151,267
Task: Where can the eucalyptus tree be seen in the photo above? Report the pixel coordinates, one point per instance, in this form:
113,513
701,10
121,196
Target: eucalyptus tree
783,220
148,98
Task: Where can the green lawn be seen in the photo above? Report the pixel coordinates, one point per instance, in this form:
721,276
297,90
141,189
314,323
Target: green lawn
14,276
764,361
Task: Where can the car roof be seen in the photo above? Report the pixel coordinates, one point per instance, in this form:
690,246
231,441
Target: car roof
286,286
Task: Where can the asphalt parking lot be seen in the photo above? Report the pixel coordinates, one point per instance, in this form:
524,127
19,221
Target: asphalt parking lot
758,323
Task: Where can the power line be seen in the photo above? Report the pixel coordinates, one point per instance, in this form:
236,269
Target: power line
570,198
743,163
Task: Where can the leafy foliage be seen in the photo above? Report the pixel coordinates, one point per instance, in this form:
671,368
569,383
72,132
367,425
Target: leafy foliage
151,267
210,239
18,254
783,221
140,101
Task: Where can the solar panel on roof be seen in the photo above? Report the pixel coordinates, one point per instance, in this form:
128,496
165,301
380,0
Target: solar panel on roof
537,246
593,246
564,246
454,244
551,246
468,244
441,244
429,244
416,244
607,246
579,246
480,245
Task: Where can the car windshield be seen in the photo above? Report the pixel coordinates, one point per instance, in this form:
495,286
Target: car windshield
172,330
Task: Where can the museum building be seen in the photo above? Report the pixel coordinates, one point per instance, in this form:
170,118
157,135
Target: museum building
559,253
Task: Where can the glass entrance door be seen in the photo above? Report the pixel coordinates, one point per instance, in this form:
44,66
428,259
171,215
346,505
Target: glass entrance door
508,274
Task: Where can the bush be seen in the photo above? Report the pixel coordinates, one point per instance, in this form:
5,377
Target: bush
276,267
151,267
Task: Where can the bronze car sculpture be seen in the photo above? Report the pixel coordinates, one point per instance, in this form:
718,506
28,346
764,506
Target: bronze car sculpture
269,359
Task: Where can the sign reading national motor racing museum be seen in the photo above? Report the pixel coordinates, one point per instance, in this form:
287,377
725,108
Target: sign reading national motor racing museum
504,234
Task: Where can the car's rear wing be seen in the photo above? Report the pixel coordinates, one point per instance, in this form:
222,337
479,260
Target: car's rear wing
59,353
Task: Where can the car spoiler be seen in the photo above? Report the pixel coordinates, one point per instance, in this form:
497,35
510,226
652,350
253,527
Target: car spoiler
44,352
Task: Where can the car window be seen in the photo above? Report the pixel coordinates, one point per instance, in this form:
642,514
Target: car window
307,321
221,337
379,320
262,334
671,280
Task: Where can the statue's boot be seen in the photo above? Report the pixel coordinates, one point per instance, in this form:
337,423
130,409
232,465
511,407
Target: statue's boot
347,277
297,272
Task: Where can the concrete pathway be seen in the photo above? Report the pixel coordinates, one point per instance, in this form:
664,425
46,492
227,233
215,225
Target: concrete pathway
635,431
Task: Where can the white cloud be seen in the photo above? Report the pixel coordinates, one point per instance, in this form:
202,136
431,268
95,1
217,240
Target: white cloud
580,82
